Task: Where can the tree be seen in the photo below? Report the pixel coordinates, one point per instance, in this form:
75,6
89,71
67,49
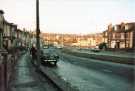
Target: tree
103,45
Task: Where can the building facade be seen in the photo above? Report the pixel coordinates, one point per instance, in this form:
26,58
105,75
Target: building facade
120,36
10,36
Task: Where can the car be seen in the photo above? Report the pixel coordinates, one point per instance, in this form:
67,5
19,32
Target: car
49,58
45,47
95,50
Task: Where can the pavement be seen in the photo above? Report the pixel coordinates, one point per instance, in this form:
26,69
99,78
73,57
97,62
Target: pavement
26,78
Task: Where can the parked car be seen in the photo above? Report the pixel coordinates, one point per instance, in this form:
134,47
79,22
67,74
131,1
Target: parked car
48,57
96,49
45,47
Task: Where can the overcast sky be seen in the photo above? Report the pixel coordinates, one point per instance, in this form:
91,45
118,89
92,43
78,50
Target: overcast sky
69,16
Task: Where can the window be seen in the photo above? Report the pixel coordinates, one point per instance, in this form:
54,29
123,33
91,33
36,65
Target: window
122,35
113,35
126,27
115,28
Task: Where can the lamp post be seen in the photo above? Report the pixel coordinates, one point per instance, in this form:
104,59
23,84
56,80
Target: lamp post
37,33
1,27
3,56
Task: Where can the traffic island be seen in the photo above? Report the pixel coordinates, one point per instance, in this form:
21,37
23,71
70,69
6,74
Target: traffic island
109,58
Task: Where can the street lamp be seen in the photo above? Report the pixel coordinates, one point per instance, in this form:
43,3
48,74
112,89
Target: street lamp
1,27
3,55
37,33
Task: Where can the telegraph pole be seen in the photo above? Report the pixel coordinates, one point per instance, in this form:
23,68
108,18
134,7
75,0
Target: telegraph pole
37,33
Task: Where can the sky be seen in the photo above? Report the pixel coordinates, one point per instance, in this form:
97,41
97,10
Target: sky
69,16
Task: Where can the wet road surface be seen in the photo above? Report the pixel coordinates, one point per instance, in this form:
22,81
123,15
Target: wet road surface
93,75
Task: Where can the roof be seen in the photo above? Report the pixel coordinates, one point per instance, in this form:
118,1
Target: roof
121,27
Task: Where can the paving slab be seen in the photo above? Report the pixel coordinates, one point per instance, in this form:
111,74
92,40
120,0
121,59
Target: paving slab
26,78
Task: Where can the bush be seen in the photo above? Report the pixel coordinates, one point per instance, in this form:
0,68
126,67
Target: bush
103,46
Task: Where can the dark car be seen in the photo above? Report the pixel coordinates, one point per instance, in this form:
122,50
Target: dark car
95,50
48,57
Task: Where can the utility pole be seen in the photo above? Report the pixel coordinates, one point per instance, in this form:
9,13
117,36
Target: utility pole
1,28
37,33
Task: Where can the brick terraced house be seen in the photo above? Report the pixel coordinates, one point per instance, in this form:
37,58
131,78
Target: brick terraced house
120,36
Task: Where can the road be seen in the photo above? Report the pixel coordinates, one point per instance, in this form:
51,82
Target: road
94,75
